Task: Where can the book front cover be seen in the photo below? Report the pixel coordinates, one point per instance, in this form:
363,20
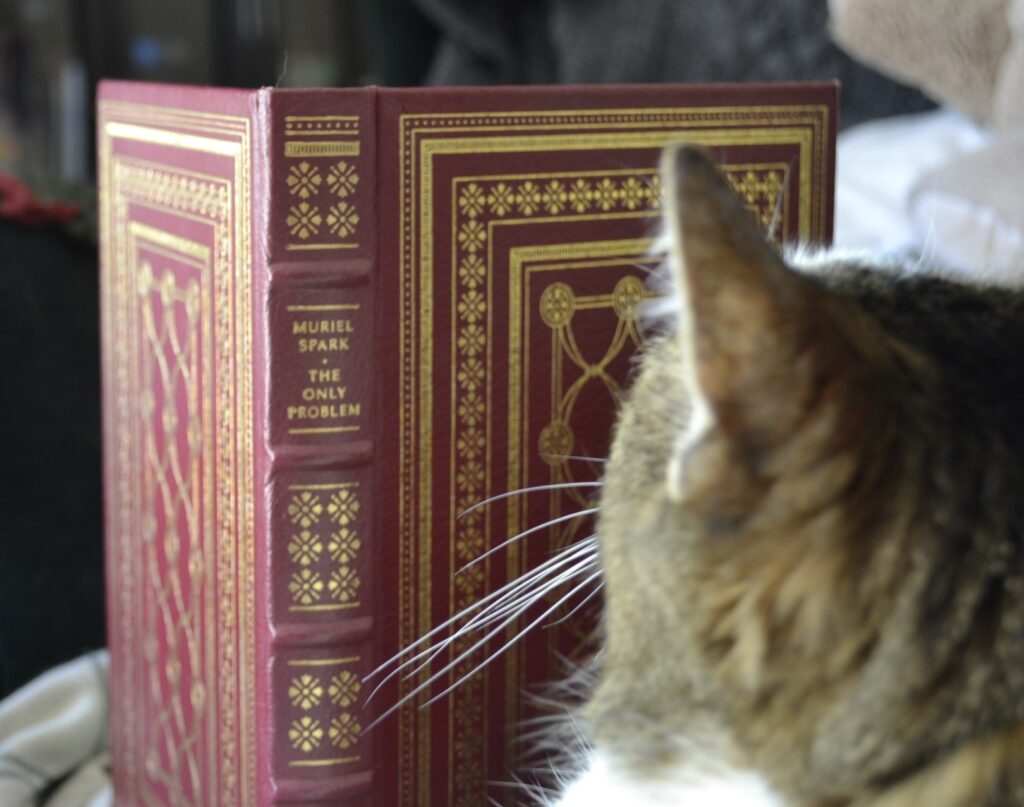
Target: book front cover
521,232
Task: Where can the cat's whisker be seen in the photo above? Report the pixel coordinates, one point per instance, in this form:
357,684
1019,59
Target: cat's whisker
469,609
423,685
780,198
503,591
550,523
647,270
585,548
491,634
576,608
598,460
515,606
558,603
538,793
494,611
523,603
927,248
509,494
550,566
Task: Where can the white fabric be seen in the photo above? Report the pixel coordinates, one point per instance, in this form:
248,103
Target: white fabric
877,166
971,238
602,785
56,728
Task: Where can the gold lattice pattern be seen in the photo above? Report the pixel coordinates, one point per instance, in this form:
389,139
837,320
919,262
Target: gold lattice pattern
170,410
321,200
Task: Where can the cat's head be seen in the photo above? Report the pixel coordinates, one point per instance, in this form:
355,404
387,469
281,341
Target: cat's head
811,520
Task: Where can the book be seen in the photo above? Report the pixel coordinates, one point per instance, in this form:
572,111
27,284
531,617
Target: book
333,321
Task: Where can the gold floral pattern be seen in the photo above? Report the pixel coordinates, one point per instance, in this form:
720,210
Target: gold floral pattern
762,193
555,444
501,199
471,408
631,193
344,731
471,340
471,373
304,220
303,180
469,580
472,200
557,305
305,508
343,584
304,548
470,442
470,474
472,236
579,196
305,734
305,691
343,507
529,198
328,518
472,539
559,196
554,197
343,546
472,306
344,689
306,587
472,271
342,219
342,179
323,703
629,293
325,190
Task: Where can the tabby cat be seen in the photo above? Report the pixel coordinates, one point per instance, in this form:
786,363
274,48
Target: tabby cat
810,538
811,535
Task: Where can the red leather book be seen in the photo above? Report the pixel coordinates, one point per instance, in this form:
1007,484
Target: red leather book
333,321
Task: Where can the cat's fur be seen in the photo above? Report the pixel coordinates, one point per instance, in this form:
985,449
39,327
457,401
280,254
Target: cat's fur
812,536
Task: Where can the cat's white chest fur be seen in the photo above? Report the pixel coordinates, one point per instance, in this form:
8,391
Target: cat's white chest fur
604,785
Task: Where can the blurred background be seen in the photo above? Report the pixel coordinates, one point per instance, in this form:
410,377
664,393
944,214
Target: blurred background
52,52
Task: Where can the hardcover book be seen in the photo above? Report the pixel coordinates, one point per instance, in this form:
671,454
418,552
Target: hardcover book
333,322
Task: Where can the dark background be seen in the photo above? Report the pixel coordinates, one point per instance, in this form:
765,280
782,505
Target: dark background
52,52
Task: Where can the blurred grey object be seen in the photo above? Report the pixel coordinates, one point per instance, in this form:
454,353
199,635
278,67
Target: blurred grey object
605,41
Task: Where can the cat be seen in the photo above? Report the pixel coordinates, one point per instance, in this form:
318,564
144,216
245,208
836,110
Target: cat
811,535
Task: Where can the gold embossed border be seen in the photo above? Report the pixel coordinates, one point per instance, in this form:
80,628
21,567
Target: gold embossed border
421,139
479,206
320,187
557,306
225,205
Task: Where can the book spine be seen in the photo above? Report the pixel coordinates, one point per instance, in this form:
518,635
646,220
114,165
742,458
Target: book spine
317,482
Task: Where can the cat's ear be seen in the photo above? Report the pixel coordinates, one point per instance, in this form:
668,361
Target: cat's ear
759,335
